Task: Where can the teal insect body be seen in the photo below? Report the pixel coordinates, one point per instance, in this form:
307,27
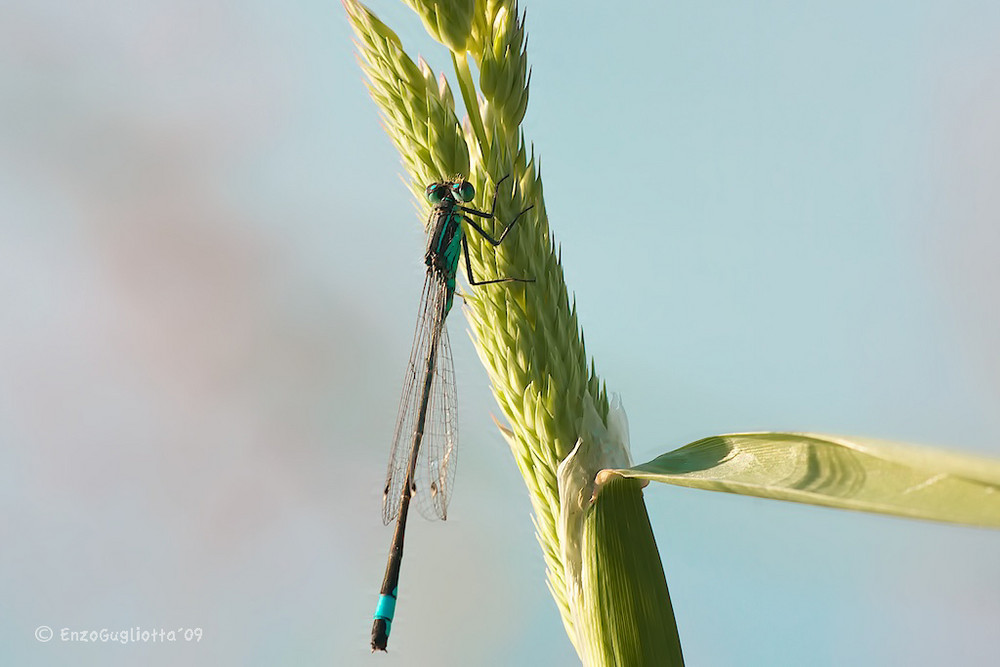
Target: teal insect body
422,459
444,243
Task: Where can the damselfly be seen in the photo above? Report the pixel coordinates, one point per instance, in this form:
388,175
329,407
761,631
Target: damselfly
422,460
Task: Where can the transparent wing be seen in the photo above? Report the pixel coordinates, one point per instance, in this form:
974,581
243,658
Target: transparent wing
434,461
436,458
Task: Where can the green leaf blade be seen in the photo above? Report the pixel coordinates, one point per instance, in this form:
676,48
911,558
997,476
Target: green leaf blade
847,473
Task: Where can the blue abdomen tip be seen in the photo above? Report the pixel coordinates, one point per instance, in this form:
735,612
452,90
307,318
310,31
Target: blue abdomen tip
386,608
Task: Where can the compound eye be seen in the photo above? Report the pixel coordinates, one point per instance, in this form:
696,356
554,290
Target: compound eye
435,193
464,192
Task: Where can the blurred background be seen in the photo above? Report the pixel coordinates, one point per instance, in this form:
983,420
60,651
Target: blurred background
772,217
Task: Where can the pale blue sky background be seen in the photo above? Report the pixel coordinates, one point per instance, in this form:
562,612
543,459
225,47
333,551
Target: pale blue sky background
782,216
